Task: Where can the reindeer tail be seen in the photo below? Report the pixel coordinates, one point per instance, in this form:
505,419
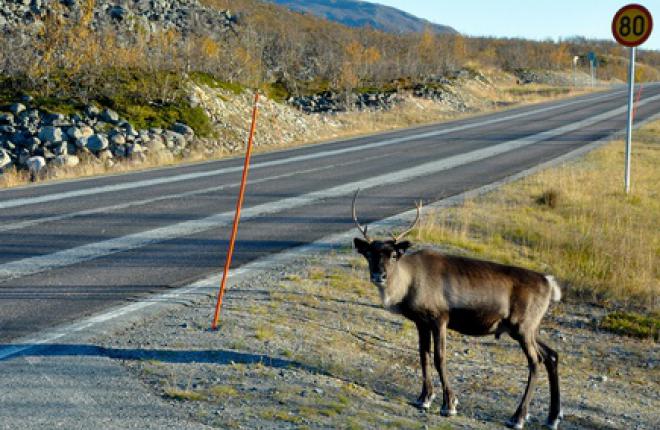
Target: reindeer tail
554,287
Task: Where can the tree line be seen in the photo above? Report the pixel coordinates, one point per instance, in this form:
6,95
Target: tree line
270,44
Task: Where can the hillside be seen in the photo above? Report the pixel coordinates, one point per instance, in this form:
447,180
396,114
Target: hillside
354,13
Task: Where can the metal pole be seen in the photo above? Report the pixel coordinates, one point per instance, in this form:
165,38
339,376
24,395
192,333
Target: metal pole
591,71
631,85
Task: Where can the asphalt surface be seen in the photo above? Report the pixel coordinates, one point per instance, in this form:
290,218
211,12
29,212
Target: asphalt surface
72,249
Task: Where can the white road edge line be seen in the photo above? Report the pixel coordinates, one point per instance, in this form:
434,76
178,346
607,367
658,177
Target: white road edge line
33,265
188,176
210,284
107,209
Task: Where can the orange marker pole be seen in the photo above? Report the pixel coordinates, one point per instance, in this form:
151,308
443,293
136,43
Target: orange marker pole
237,214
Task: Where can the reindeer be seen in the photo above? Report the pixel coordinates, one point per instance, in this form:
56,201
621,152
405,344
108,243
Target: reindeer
473,297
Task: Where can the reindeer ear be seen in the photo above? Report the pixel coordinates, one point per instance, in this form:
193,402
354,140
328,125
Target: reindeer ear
362,246
402,247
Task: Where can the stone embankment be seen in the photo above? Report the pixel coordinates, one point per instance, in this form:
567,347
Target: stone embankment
34,139
184,16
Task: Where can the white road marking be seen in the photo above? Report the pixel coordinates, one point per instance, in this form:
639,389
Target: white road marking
189,176
106,209
33,265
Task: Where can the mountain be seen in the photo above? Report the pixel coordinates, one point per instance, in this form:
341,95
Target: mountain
355,13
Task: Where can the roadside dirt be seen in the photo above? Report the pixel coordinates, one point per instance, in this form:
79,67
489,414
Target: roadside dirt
307,345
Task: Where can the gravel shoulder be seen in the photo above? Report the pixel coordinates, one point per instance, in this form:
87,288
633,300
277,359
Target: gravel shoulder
306,344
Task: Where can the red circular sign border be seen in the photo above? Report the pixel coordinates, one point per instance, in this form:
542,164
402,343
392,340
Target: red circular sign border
645,11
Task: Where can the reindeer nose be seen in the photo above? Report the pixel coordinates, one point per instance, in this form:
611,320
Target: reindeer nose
378,278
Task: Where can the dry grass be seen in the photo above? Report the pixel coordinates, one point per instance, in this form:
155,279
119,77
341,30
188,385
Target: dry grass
575,222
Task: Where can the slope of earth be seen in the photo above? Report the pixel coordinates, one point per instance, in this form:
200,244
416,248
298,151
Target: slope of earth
365,14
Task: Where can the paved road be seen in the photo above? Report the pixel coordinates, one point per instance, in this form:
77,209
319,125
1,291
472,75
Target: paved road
73,248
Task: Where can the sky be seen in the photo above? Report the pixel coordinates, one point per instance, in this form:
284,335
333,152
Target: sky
530,19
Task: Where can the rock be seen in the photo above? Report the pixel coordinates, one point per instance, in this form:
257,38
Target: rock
53,119
134,149
117,139
61,148
65,160
119,151
156,143
92,111
110,116
31,143
5,159
96,142
35,165
183,129
118,13
6,119
177,139
17,108
50,134
129,130
105,155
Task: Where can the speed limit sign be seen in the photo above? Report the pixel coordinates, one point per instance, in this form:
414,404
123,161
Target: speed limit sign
632,25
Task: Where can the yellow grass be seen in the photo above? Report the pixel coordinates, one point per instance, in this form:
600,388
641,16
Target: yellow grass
602,244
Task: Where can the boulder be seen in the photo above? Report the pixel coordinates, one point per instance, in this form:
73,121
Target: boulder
17,108
117,138
96,142
183,129
65,160
6,119
35,165
5,159
50,134
156,143
110,116
92,111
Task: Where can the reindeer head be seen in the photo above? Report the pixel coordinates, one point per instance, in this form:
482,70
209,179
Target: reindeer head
382,255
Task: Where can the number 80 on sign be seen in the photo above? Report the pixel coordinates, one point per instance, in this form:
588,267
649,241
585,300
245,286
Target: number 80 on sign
632,25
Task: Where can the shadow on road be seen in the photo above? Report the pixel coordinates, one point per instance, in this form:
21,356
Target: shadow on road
218,356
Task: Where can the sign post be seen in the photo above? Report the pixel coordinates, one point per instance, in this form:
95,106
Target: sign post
592,62
631,26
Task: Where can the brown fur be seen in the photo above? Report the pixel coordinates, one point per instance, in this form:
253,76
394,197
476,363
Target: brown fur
473,297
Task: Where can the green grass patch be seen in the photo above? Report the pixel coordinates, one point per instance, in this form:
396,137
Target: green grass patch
145,99
178,394
276,91
212,82
633,324
264,333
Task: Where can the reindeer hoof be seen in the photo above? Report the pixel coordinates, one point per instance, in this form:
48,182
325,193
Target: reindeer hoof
517,424
448,412
425,403
554,424
451,410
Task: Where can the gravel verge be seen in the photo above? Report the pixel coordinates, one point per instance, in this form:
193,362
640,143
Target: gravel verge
305,344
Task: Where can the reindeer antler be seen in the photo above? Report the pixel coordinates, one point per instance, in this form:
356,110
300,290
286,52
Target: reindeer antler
418,205
363,230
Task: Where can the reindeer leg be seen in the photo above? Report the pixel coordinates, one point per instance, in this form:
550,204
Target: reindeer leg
528,345
449,401
427,396
551,361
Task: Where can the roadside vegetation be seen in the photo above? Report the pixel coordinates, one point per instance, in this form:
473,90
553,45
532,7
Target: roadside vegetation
575,222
